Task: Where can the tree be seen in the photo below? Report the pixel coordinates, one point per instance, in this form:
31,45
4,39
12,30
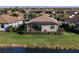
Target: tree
14,9
65,16
15,14
30,15
58,16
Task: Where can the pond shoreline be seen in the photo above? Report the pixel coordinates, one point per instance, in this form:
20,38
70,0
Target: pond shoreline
39,46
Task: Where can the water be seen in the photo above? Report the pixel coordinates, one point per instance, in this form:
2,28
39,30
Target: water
35,50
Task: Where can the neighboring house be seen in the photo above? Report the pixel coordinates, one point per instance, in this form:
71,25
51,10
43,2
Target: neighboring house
43,23
74,21
8,20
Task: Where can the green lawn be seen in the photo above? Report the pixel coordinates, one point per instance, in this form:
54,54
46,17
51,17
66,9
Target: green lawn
13,38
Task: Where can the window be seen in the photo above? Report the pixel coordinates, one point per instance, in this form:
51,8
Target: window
2,25
52,26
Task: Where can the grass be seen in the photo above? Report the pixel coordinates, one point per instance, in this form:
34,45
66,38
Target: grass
68,39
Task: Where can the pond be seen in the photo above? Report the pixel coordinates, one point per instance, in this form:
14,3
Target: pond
35,50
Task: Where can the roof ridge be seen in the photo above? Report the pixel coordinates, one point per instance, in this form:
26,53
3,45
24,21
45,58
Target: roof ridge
40,16
52,18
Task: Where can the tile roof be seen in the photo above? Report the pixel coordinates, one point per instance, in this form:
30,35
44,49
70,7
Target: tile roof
8,19
44,19
75,19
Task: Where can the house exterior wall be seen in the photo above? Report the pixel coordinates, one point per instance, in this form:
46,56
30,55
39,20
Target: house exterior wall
11,24
5,26
20,22
16,23
49,28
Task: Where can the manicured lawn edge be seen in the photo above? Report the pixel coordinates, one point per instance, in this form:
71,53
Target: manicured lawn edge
39,46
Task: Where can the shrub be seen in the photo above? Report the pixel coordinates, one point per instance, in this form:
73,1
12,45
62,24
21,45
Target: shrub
60,31
20,29
67,27
39,33
14,29
9,29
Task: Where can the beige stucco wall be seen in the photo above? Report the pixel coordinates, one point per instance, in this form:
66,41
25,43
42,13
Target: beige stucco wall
49,29
11,24
16,23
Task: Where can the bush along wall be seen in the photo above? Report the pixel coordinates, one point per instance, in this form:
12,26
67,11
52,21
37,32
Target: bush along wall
59,32
10,29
